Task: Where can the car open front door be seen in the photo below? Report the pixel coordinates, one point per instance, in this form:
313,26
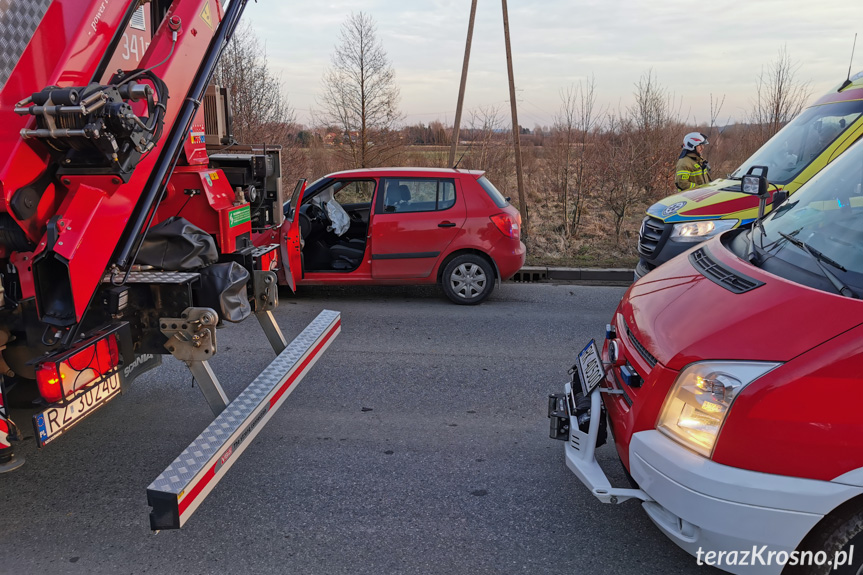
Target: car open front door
291,248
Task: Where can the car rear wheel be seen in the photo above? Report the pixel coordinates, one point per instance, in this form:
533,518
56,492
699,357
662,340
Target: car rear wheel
468,279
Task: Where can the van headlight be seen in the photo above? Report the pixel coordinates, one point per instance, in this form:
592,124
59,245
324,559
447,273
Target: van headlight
700,231
699,401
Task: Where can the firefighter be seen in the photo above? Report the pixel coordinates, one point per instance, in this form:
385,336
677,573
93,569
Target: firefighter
692,169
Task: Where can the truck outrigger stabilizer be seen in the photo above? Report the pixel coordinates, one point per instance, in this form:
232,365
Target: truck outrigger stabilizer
181,488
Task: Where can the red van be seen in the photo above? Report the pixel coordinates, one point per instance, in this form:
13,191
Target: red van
729,379
401,226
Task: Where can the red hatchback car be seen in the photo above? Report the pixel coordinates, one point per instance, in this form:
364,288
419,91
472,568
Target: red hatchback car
400,226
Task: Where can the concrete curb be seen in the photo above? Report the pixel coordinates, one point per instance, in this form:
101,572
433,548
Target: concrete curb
598,276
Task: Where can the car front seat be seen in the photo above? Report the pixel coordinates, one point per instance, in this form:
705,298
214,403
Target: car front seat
398,198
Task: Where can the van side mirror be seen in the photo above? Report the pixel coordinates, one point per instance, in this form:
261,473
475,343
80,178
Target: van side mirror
779,197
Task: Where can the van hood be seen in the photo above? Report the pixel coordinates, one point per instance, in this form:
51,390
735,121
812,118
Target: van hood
720,199
680,316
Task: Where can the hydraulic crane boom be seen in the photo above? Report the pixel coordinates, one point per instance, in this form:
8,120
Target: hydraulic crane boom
121,237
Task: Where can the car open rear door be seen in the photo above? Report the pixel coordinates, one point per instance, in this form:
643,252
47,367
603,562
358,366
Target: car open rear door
290,243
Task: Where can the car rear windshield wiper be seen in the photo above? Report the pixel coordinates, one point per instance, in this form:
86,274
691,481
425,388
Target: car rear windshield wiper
819,258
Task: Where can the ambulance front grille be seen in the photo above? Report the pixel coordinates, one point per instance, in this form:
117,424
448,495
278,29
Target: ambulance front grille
650,236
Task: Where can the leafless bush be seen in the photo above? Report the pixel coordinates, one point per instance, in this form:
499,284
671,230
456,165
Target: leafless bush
620,159
654,121
572,154
489,148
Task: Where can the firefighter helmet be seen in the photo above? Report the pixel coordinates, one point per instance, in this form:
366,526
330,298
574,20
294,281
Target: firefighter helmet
693,139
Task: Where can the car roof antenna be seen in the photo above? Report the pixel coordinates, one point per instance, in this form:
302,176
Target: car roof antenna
848,79
469,146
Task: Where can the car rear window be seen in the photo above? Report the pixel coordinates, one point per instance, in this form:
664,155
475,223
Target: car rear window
498,198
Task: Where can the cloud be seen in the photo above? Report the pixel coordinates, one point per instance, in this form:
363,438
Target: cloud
693,49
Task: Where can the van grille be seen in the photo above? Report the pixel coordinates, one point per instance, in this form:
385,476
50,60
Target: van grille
642,351
728,278
650,236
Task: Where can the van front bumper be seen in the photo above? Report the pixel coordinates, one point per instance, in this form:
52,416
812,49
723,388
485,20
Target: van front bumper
706,507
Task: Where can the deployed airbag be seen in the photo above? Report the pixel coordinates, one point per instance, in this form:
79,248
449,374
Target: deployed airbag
340,221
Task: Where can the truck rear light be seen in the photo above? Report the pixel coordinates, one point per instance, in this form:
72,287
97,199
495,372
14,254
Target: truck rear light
60,379
48,381
508,226
113,351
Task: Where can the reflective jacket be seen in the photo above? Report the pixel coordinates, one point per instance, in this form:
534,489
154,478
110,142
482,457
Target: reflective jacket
692,172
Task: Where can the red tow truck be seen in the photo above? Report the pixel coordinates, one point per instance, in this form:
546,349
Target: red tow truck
729,379
102,127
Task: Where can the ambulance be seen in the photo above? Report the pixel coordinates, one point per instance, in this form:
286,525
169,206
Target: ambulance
794,155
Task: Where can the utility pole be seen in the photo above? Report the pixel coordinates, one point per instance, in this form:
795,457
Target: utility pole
458,109
522,201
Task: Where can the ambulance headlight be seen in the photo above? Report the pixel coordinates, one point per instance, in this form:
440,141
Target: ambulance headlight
702,395
700,231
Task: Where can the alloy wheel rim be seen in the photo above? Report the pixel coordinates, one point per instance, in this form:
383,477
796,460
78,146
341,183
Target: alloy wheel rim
468,280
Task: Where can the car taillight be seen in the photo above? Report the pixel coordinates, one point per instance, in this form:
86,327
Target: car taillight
58,379
508,226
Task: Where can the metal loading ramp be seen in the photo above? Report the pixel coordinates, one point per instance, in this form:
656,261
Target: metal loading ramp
178,491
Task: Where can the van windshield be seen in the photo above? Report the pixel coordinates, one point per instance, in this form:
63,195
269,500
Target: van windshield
804,138
827,214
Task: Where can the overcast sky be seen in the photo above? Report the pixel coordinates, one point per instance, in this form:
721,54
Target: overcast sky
694,49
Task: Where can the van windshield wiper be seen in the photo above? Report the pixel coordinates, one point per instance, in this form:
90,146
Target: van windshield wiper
819,258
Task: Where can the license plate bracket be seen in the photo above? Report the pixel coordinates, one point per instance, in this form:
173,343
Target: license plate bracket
558,413
590,369
57,419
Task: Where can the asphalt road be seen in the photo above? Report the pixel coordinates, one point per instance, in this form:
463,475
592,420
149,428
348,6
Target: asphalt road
417,444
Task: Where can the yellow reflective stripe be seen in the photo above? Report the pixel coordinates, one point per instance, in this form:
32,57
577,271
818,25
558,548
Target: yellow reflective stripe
683,175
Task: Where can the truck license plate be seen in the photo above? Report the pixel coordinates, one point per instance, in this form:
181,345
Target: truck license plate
57,419
590,369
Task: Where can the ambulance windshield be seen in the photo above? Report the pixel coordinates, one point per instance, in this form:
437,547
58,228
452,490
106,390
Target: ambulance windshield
796,145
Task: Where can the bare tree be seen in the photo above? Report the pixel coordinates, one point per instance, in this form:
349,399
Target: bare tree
361,96
779,96
261,113
260,110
